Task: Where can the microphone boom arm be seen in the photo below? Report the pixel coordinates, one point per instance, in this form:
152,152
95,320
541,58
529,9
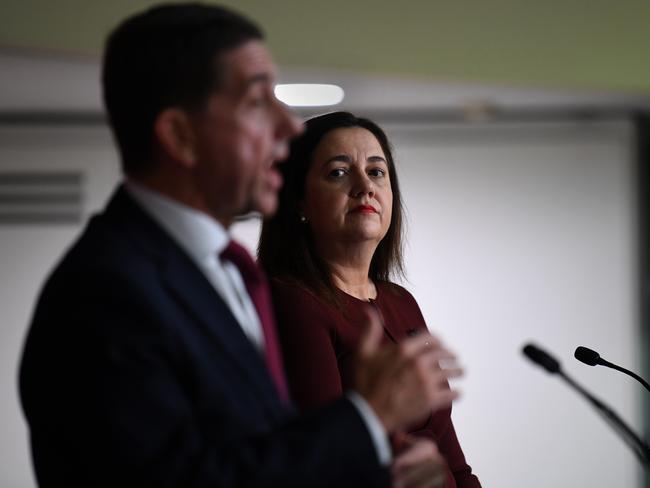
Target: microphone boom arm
592,358
634,442
626,371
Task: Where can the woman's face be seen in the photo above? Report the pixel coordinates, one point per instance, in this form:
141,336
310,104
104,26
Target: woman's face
348,197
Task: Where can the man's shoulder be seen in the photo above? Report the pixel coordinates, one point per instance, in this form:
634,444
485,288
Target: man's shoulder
102,244
112,244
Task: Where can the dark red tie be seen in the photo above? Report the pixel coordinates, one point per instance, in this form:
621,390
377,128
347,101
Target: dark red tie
258,289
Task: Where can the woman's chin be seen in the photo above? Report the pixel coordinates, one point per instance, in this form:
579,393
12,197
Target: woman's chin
365,233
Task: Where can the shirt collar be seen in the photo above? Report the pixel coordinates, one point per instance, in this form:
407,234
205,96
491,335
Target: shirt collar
202,237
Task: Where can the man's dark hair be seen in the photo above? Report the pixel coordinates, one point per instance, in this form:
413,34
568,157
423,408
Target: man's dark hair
166,56
286,248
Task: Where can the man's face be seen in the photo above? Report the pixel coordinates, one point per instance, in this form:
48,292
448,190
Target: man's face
241,132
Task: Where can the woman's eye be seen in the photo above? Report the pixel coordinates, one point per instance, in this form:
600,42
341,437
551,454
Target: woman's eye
377,173
336,173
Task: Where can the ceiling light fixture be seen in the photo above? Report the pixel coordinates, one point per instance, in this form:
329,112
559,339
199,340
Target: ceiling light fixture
309,95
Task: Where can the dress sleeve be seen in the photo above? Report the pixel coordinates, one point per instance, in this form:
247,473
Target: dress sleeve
450,448
307,329
402,310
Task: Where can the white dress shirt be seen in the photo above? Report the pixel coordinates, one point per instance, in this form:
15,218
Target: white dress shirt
203,239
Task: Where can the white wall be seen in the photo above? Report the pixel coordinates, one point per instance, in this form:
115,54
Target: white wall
524,234
27,253
516,234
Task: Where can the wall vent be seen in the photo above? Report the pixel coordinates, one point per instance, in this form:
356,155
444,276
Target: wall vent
40,197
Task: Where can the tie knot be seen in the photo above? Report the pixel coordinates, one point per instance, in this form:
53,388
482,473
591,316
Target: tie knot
240,257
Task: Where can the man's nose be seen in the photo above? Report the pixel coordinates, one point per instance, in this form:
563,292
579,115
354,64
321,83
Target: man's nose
289,124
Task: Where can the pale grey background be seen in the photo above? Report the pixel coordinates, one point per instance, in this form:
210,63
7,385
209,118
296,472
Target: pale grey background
516,233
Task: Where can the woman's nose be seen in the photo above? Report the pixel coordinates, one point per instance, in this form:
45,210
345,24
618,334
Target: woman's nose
363,186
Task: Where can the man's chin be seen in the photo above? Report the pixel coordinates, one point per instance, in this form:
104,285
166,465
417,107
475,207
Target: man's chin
265,205
268,207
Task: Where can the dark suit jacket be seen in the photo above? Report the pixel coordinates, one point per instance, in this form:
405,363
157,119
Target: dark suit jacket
135,373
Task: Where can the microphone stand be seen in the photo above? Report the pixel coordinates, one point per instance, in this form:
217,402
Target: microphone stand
592,358
626,371
634,442
552,365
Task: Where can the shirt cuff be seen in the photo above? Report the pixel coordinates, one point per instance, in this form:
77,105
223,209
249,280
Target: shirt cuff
375,428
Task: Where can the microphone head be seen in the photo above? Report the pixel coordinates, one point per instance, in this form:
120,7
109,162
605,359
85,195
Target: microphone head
541,358
587,356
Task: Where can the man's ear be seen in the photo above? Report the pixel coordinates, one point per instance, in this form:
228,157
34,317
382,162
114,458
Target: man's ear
175,133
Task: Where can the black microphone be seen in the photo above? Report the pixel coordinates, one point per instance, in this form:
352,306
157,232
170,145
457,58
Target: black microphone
592,358
587,356
552,365
542,358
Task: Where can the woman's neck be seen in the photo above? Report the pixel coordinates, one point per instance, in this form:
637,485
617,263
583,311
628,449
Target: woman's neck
350,268
363,291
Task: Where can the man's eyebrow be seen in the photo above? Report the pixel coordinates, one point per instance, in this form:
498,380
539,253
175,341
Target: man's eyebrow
258,78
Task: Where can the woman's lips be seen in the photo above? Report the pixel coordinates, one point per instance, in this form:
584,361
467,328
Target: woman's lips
364,209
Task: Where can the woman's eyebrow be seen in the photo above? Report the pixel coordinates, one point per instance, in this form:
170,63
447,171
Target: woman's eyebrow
377,159
343,158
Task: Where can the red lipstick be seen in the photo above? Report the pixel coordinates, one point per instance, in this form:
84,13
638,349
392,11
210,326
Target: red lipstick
365,209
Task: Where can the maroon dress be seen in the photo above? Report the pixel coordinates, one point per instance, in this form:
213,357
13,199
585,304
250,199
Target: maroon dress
319,339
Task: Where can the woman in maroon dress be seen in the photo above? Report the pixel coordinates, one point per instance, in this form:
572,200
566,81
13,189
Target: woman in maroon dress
330,251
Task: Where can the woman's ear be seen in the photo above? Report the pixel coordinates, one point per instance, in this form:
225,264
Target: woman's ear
301,212
175,135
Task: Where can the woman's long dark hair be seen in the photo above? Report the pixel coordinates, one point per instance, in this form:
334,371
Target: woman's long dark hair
286,248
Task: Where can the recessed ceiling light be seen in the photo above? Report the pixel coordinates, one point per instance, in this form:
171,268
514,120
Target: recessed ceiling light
309,95
478,110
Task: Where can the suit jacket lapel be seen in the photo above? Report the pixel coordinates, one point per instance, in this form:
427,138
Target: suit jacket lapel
188,285
190,288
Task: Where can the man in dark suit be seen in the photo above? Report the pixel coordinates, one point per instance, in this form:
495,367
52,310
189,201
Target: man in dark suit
151,360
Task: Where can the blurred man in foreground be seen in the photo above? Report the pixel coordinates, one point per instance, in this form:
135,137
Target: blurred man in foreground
152,358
